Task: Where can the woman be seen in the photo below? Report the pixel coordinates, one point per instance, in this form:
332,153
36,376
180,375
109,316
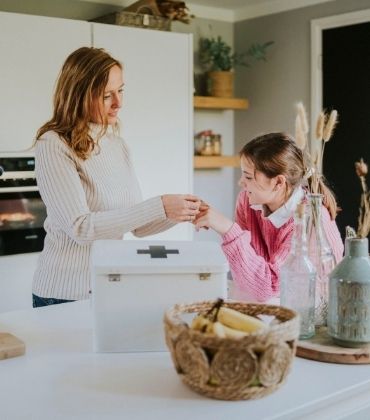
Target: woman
258,242
86,178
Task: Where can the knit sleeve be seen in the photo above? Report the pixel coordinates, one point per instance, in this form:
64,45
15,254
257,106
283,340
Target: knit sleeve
153,227
252,273
62,192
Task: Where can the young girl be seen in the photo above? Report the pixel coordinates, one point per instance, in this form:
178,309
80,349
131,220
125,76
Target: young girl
258,242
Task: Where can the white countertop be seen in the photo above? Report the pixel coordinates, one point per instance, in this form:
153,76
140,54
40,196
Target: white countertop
60,377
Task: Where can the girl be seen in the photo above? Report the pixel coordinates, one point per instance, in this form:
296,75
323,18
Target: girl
86,178
258,242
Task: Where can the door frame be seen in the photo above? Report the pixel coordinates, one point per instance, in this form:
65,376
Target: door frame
317,27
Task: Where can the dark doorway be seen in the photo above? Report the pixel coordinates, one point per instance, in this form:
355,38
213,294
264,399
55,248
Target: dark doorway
346,87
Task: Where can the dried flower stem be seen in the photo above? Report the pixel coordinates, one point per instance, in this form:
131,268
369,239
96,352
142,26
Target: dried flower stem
303,117
330,125
300,136
324,131
320,126
364,213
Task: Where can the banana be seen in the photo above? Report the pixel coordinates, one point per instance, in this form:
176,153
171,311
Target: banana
232,333
239,321
219,329
200,323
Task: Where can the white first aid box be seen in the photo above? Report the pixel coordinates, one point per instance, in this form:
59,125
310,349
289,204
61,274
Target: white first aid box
135,282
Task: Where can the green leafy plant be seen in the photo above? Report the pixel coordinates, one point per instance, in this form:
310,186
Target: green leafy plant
216,55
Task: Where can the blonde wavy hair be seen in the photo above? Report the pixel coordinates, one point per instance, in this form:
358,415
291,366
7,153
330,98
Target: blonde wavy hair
78,95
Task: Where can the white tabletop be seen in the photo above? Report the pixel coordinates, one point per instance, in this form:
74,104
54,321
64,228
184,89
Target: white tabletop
60,377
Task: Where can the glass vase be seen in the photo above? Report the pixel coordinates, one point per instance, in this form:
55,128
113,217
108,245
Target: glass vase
349,296
321,255
298,278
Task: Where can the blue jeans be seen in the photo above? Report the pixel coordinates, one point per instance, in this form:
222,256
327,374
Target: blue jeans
38,301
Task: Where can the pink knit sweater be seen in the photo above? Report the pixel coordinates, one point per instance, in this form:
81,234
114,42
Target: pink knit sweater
256,249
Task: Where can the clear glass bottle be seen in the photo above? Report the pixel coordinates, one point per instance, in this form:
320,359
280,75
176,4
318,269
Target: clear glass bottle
298,277
321,255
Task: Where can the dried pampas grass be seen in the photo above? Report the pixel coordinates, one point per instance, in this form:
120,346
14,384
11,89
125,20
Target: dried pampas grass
324,131
302,116
313,160
320,124
330,125
363,229
300,136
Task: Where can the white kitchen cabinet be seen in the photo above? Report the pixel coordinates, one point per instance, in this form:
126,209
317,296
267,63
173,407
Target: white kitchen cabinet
32,51
157,113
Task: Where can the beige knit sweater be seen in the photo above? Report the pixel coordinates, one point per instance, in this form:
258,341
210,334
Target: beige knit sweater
98,198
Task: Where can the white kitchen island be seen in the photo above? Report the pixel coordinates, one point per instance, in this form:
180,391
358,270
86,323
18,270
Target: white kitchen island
60,377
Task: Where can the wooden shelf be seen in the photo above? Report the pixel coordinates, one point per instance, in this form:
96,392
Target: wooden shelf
211,102
212,162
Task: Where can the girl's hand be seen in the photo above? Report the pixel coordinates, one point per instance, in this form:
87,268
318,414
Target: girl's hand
180,207
211,218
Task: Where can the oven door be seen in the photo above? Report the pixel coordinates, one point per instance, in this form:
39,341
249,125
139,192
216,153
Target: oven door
22,216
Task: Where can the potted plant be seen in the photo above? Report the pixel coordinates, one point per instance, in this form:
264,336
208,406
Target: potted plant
217,58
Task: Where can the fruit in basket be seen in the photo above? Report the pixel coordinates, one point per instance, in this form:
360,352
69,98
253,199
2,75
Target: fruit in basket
239,321
225,322
200,323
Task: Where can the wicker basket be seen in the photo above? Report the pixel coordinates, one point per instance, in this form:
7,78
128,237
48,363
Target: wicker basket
137,20
228,368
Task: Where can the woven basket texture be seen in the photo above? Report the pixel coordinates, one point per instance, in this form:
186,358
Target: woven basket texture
137,20
229,368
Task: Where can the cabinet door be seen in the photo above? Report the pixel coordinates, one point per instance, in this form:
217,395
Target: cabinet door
156,117
32,51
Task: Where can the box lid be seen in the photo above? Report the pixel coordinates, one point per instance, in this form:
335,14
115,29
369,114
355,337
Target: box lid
150,257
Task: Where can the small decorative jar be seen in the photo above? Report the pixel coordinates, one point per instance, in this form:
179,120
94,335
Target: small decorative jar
349,296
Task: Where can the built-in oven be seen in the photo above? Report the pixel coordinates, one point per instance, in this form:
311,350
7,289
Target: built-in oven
22,212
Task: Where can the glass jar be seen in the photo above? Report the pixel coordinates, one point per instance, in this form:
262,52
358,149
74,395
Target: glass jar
217,144
208,146
349,296
321,255
298,278
198,144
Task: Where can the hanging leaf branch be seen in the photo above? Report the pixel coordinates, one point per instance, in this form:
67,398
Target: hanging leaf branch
364,214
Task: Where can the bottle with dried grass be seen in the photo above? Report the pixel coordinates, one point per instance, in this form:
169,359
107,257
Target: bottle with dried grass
319,249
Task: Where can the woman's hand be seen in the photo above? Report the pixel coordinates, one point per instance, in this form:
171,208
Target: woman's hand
211,218
180,207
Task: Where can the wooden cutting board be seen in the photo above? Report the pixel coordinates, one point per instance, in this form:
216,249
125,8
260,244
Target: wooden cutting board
10,346
321,348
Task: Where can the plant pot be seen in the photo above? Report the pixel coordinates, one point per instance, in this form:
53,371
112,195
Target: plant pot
221,84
